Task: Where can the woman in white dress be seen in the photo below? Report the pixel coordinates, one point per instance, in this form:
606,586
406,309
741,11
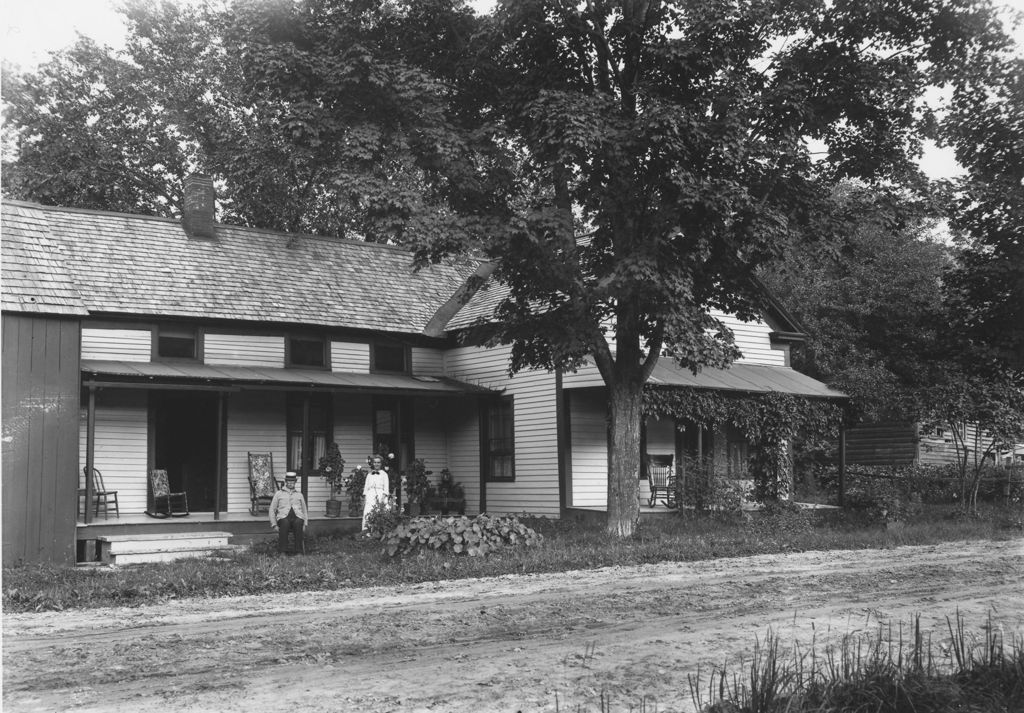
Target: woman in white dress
376,488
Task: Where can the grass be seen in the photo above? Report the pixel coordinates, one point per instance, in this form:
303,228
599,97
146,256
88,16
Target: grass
342,562
892,671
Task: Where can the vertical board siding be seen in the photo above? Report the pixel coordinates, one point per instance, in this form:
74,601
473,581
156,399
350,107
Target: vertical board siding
243,350
535,489
122,446
350,357
427,362
256,422
753,339
117,344
40,377
589,433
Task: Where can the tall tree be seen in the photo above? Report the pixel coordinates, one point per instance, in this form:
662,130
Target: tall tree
662,158
985,126
869,292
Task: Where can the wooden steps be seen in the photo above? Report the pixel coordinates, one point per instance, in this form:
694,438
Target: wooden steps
133,549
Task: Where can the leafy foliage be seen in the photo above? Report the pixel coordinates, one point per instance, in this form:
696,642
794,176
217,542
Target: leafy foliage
332,468
477,536
869,293
417,481
704,488
768,421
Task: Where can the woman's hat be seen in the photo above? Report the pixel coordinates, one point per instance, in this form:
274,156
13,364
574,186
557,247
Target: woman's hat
290,475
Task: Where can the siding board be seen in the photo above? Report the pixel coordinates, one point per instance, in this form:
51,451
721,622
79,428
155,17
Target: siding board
352,357
117,344
243,350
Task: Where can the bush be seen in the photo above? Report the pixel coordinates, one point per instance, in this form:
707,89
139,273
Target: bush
701,486
383,518
461,535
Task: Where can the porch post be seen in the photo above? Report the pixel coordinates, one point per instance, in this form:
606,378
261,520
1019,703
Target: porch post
90,454
842,467
307,446
220,455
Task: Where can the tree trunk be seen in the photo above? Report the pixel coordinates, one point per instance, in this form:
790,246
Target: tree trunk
624,403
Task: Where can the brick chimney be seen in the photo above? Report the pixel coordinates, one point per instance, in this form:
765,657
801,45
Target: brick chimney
197,211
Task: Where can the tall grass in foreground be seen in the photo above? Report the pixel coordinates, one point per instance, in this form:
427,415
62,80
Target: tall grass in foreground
884,673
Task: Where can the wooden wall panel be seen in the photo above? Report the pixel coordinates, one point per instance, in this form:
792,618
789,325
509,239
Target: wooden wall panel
256,422
589,434
535,489
753,339
427,362
40,377
117,344
122,446
352,357
882,444
243,350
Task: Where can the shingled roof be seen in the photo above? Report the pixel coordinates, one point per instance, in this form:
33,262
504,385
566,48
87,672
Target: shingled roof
116,263
34,276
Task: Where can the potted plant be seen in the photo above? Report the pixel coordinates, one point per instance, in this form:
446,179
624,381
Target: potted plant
417,485
332,469
450,495
354,483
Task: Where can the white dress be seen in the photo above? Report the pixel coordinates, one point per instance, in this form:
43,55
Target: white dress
375,490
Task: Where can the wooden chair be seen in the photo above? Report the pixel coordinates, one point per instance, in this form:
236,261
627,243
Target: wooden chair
162,502
101,496
662,482
262,483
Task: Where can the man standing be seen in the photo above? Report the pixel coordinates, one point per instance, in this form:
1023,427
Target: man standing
288,513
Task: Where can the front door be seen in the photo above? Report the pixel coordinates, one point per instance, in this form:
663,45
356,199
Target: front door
185,444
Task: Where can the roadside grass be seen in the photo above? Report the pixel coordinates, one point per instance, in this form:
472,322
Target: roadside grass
339,562
895,670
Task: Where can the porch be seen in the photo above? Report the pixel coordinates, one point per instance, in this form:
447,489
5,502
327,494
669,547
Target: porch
244,527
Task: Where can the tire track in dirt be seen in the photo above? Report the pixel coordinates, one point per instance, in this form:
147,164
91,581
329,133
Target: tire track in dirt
501,644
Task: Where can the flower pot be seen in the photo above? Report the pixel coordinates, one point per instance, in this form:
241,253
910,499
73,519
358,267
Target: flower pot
355,507
333,508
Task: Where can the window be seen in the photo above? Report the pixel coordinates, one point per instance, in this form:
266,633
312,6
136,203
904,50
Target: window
176,343
307,351
389,357
499,440
319,428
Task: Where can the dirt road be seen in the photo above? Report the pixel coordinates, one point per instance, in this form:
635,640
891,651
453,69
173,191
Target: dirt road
526,643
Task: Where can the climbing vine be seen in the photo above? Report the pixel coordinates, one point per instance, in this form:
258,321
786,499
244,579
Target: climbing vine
768,421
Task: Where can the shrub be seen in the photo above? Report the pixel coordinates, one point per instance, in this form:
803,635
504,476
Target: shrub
460,535
383,518
701,486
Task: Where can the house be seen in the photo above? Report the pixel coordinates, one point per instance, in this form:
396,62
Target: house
133,343
900,443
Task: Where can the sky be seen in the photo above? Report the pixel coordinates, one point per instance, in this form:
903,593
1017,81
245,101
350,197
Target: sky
33,28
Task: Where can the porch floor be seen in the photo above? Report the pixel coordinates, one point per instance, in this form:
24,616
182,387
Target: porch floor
244,527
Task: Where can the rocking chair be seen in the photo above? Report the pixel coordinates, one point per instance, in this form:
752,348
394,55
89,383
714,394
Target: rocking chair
662,483
262,483
162,502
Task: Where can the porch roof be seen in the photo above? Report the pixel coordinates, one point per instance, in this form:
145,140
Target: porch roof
751,378
157,374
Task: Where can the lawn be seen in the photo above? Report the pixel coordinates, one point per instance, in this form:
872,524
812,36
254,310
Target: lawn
343,562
